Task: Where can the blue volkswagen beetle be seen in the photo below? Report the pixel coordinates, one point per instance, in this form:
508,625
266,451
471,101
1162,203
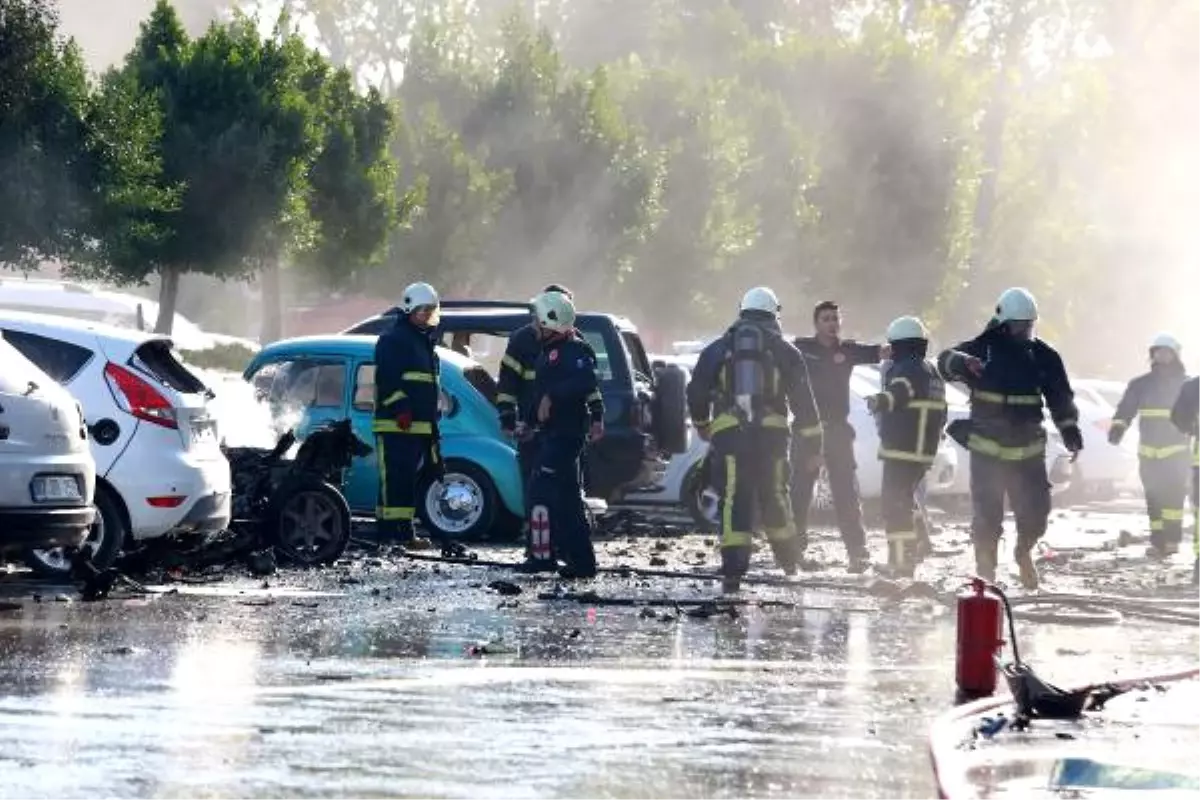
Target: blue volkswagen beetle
323,378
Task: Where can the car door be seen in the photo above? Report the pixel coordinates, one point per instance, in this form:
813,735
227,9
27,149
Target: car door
304,393
361,486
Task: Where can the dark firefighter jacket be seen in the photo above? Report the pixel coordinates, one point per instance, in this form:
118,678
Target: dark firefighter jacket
710,389
514,397
566,373
1007,399
1150,397
1185,414
831,367
406,379
912,410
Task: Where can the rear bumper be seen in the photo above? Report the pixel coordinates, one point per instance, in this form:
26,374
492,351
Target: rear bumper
209,514
39,528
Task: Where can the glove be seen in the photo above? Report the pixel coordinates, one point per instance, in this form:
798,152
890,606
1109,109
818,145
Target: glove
1072,438
404,420
960,431
1115,434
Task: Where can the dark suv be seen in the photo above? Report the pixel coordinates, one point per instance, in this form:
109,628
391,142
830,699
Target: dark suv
645,408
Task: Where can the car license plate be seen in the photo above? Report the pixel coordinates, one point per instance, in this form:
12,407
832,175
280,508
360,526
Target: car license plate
55,488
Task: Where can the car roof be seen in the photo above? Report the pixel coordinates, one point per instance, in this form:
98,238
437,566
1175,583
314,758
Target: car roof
501,315
52,324
351,344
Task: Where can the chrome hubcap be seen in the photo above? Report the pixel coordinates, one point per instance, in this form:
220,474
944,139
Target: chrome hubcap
455,503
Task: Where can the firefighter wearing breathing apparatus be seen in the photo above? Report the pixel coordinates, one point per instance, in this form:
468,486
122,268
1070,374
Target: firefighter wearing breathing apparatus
912,414
1009,372
406,412
568,415
1185,414
750,377
1162,449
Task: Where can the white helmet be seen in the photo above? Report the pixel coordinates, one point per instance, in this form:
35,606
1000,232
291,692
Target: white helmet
906,328
417,295
761,298
1016,305
1168,341
555,311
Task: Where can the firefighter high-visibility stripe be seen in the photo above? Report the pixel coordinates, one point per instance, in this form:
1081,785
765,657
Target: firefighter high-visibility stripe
814,430
775,421
395,512
594,396
513,364
1155,413
418,377
393,397
505,398
723,422
905,455
885,401
391,426
1007,399
1172,515
788,531
1155,453
902,381
1156,524
990,447
730,537
1119,423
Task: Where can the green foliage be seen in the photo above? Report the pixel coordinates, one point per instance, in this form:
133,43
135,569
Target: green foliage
43,96
224,357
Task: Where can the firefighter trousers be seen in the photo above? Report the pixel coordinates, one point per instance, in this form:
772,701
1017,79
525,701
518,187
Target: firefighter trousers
752,476
558,519
1027,487
907,536
842,472
1165,483
401,457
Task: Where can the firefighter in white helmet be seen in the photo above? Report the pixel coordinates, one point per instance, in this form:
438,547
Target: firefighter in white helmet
912,414
739,397
569,412
1012,375
1162,449
406,412
1185,414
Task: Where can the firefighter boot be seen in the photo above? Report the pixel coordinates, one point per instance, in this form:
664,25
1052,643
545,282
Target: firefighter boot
734,563
788,554
985,559
1023,555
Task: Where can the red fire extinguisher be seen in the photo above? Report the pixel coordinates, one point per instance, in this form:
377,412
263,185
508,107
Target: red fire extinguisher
980,637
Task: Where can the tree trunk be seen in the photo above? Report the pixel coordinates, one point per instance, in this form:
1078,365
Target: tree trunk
272,301
168,293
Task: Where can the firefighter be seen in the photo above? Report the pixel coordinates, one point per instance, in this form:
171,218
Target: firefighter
1162,449
1009,372
564,385
406,413
833,359
1185,414
912,414
751,377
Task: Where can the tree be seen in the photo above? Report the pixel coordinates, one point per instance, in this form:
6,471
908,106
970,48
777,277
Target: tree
237,134
43,95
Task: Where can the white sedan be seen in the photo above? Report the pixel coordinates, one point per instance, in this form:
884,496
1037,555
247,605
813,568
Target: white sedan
681,483
1103,470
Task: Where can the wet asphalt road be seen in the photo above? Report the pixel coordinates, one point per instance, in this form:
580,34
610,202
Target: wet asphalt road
360,680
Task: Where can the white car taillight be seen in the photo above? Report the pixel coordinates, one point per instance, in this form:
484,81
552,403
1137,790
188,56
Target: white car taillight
138,397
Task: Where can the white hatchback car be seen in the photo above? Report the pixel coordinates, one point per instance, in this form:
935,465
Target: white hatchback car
160,469
47,475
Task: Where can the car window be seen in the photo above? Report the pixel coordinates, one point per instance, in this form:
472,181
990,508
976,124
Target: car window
155,358
62,361
603,362
637,353
486,348
303,384
364,388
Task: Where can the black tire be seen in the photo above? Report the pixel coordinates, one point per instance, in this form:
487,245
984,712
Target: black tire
310,523
105,540
474,523
692,488
669,409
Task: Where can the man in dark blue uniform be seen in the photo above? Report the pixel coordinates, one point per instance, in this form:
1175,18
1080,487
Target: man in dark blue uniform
406,413
1185,414
1009,372
912,414
832,360
1162,448
564,386
751,378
